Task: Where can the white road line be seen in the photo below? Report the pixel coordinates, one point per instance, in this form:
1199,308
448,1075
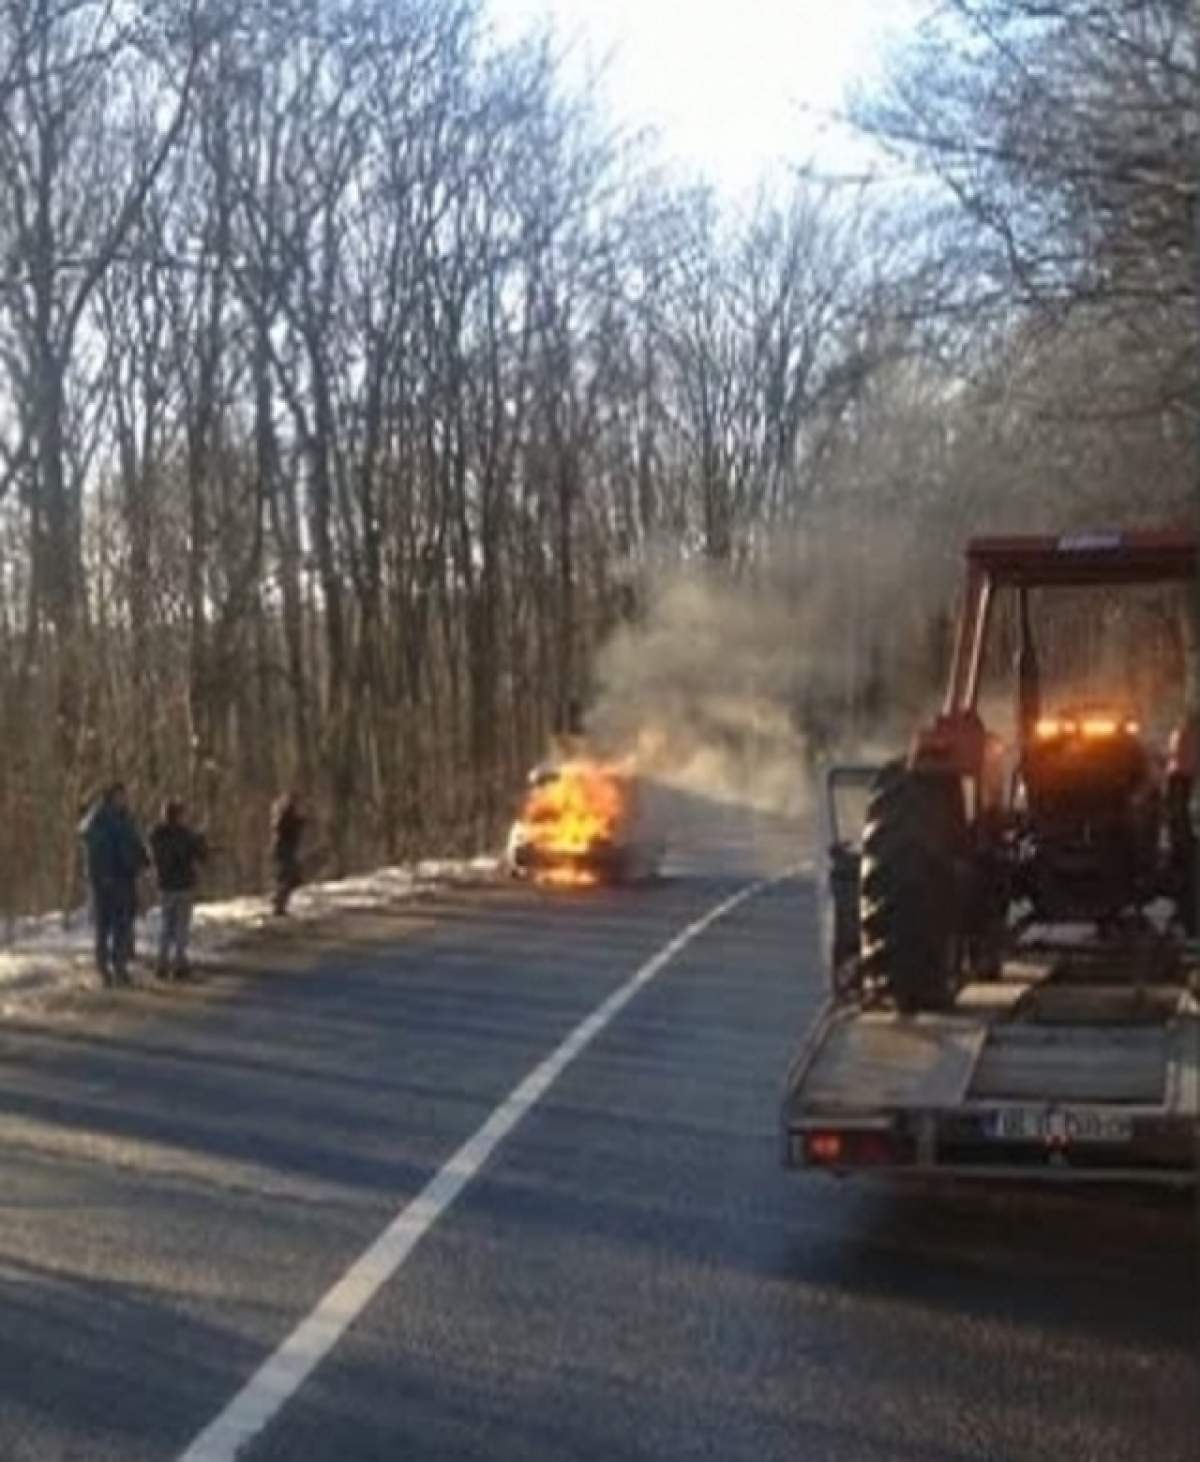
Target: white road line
284,1372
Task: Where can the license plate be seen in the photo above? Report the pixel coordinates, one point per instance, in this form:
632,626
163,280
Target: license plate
1057,1126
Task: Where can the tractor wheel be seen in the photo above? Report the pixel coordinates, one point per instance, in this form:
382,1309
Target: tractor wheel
1182,839
911,909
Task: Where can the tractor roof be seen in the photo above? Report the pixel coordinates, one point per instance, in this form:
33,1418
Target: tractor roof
1086,558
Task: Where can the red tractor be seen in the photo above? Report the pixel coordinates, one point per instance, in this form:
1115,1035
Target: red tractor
1075,817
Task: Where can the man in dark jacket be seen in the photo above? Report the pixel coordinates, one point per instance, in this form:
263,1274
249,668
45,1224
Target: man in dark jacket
287,828
114,855
178,852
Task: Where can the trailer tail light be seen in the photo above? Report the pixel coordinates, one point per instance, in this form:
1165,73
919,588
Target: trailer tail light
851,1149
823,1149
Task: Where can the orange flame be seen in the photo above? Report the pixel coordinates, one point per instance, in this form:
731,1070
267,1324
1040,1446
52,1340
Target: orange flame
566,875
567,816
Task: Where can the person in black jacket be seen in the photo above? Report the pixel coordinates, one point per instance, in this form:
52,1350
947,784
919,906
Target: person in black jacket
114,855
287,828
178,852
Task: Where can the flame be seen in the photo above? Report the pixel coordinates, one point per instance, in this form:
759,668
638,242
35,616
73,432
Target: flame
565,817
566,875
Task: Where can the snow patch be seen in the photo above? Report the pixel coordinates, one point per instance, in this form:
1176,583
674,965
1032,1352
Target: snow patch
53,952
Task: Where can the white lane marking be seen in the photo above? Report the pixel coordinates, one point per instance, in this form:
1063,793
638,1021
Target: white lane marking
284,1372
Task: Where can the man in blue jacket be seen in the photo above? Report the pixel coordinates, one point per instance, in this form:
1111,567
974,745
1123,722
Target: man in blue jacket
114,855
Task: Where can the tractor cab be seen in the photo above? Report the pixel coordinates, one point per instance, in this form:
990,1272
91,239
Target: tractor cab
1045,792
1090,812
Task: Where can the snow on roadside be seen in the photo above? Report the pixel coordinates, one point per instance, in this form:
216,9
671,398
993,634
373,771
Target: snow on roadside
53,952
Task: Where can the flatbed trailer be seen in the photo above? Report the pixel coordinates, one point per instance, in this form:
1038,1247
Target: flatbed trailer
1077,1063
1022,1079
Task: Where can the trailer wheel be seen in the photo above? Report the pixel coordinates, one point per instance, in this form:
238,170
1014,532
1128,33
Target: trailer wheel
911,905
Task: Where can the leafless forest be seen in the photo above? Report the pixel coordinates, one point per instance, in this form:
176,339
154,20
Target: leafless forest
360,378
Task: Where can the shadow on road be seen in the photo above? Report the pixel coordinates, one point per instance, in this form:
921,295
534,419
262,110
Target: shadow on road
1120,1263
88,1348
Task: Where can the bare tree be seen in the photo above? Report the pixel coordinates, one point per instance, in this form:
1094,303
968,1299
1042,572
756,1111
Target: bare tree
358,371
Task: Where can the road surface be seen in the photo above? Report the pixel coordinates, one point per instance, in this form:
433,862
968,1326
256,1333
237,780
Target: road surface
618,1268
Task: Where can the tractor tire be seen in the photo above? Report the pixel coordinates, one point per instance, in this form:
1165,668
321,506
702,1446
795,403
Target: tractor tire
1181,837
911,908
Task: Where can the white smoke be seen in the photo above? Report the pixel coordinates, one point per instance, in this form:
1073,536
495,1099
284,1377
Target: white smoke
702,692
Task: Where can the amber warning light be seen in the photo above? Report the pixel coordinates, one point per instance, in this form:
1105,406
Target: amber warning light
1091,727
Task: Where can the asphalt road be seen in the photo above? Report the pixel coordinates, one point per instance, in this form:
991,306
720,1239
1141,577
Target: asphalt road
630,1275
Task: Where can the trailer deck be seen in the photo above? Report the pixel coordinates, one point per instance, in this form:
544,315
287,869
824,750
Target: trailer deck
1022,1078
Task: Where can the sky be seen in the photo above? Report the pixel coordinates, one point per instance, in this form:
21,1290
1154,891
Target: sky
736,87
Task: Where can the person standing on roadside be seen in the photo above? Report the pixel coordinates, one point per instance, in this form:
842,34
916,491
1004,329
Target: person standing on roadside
178,852
287,828
114,855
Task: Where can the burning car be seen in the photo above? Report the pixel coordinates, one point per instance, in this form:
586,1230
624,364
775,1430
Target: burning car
583,823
